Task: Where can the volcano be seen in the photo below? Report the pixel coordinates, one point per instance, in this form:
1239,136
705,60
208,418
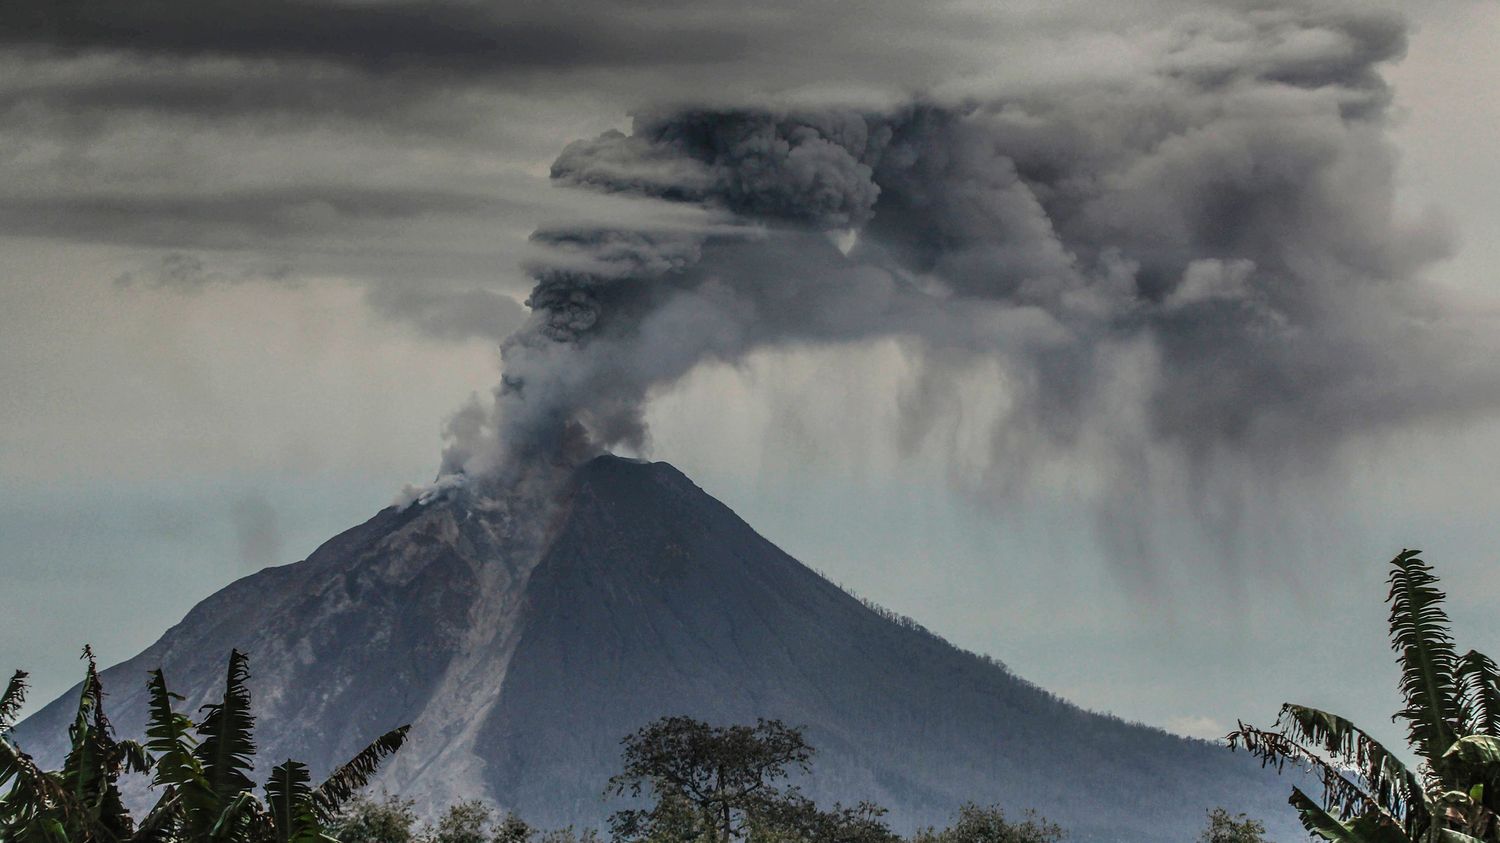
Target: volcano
522,663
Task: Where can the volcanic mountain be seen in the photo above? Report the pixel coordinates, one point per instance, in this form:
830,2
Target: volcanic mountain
522,663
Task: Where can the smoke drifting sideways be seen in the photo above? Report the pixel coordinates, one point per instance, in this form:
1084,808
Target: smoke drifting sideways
1204,257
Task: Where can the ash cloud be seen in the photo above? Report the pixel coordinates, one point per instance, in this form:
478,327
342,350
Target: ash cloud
1203,256
449,315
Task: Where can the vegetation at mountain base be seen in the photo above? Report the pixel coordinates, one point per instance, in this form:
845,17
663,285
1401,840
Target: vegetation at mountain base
202,770
692,782
715,784
1452,715
976,824
392,820
367,821
1224,827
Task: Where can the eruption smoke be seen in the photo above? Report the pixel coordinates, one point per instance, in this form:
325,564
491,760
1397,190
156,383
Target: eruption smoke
1203,256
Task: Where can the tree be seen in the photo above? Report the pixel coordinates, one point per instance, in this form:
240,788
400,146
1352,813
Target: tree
800,821
568,835
202,769
977,824
464,822
513,829
1452,705
365,820
1224,827
709,782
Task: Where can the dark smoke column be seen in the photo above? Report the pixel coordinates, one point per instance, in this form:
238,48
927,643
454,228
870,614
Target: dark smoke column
577,375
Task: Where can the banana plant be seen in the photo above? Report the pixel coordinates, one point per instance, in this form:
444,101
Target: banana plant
81,802
35,807
1452,715
203,771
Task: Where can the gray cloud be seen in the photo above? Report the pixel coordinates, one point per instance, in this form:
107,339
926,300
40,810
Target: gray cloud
450,315
187,273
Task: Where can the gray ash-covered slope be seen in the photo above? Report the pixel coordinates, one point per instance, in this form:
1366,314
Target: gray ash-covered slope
651,598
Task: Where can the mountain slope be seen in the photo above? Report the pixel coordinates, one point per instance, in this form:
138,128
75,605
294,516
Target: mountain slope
522,666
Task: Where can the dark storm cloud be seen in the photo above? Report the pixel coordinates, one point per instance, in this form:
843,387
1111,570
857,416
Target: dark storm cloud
323,134
387,36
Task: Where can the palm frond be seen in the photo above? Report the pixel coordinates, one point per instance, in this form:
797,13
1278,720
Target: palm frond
163,823
1274,749
168,735
228,746
30,794
1479,694
241,814
354,774
83,765
1395,787
289,794
1319,822
94,764
134,757
1424,649
11,700
1366,828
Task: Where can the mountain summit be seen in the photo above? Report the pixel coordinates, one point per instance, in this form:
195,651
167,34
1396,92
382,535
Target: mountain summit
523,656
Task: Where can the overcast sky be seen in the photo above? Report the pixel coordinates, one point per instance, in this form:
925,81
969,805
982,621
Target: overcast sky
250,267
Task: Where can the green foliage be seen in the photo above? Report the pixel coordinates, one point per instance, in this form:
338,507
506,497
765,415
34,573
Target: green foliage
343,783
1479,693
715,784
393,820
709,782
93,767
227,746
806,824
289,797
11,700
977,824
465,822
1224,827
202,770
1451,707
363,820
1429,666
567,835
513,829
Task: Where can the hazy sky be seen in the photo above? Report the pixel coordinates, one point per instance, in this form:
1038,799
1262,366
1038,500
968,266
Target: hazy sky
248,270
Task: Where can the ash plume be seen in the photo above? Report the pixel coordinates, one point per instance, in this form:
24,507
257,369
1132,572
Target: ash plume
1204,256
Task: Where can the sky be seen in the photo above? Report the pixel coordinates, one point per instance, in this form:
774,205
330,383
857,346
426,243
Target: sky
251,268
